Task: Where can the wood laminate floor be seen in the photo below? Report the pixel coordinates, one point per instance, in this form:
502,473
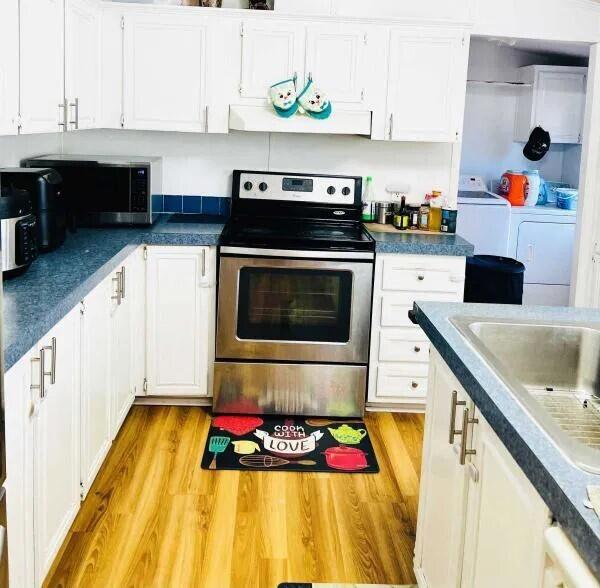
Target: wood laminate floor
154,518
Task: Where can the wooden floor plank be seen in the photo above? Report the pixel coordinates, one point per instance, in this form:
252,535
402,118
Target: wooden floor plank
154,518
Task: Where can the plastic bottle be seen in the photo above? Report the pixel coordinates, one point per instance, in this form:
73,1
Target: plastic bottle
368,202
534,182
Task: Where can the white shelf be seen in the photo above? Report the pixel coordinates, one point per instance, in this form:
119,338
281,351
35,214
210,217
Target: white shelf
264,119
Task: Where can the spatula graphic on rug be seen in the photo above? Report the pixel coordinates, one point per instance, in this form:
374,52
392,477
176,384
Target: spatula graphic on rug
217,445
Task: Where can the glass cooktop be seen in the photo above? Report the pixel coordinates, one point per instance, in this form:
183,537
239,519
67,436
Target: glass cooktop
297,234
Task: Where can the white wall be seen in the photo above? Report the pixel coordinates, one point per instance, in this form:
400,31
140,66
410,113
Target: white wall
13,149
488,146
197,164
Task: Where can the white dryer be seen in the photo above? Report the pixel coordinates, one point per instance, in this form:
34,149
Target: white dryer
542,238
483,217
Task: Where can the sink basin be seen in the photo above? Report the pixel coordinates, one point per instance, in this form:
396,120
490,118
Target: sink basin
553,370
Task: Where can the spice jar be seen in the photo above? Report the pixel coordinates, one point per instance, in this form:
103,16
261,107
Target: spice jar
424,217
413,217
448,220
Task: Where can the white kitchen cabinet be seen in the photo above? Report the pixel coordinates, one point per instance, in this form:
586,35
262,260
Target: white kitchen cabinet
41,47
96,434
21,404
9,67
426,84
180,320
136,297
272,51
82,63
554,98
503,510
166,56
477,519
56,441
336,58
443,490
121,360
399,354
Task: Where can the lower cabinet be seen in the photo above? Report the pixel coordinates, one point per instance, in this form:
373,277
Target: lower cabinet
181,290
478,513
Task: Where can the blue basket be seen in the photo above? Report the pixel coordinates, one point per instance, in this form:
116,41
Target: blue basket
566,198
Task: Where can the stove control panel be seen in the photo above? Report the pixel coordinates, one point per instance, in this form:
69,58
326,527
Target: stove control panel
333,190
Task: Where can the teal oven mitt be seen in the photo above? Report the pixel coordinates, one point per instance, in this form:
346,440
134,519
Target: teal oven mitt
282,97
314,102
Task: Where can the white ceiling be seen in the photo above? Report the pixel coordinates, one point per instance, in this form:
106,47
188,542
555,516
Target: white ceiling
549,47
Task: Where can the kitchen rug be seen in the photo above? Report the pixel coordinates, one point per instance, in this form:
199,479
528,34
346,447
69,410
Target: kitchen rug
292,444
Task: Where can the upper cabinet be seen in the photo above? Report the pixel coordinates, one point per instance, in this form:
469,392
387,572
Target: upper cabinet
41,47
552,97
426,84
9,67
272,51
165,66
82,63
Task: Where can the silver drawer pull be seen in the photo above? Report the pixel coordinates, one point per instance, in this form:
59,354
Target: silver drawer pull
455,402
122,286
466,421
414,384
117,296
420,277
417,349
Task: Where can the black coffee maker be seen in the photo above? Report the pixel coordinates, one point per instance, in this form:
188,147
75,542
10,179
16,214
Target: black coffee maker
45,189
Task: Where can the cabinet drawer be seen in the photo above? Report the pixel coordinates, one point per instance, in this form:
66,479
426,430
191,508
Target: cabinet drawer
403,345
402,381
405,273
395,307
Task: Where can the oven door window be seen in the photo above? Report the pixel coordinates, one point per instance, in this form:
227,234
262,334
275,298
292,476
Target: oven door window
276,304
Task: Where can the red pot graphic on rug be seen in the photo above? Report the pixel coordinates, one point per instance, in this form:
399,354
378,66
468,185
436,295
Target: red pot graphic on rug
289,440
345,458
237,425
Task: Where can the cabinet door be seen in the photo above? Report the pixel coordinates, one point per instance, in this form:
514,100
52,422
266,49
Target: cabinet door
9,67
82,63
546,249
42,66
443,491
335,57
180,319
165,66
271,52
560,104
95,383
426,85
21,403
506,519
120,348
56,444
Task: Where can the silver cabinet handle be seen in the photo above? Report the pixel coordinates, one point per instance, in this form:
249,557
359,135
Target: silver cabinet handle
53,362
466,421
417,349
62,118
391,126
38,387
117,296
420,277
122,287
206,119
453,430
414,384
75,106
52,373
203,263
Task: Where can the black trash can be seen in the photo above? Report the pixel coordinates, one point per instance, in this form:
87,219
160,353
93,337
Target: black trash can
493,279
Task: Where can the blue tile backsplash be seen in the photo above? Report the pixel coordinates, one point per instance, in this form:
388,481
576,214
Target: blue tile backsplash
213,205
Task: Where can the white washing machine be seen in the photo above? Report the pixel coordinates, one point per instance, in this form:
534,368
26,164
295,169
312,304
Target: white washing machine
483,217
542,238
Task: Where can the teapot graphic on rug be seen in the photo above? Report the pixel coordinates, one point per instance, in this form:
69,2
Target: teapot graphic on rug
346,435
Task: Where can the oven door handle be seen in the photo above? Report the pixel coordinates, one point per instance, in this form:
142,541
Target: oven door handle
294,254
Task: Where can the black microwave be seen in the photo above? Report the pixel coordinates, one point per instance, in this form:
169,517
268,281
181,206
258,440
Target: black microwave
105,190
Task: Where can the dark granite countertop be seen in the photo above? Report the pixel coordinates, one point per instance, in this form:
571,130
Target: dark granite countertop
36,301
562,485
57,281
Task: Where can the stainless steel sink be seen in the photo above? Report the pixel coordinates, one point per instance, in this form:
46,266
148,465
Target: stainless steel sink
553,370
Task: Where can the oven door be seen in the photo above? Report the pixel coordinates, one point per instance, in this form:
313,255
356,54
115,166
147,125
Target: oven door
312,310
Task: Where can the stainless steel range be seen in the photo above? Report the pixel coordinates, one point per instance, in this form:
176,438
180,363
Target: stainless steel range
294,301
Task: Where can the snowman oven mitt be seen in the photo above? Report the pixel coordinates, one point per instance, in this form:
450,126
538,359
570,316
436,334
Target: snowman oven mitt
282,96
313,102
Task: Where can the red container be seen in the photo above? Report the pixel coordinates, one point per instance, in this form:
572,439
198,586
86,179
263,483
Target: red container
345,458
514,187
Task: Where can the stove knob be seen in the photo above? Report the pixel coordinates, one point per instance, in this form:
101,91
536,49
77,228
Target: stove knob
346,191
263,187
331,190
248,186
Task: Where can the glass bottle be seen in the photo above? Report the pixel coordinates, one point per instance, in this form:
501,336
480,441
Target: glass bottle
435,211
424,217
368,204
